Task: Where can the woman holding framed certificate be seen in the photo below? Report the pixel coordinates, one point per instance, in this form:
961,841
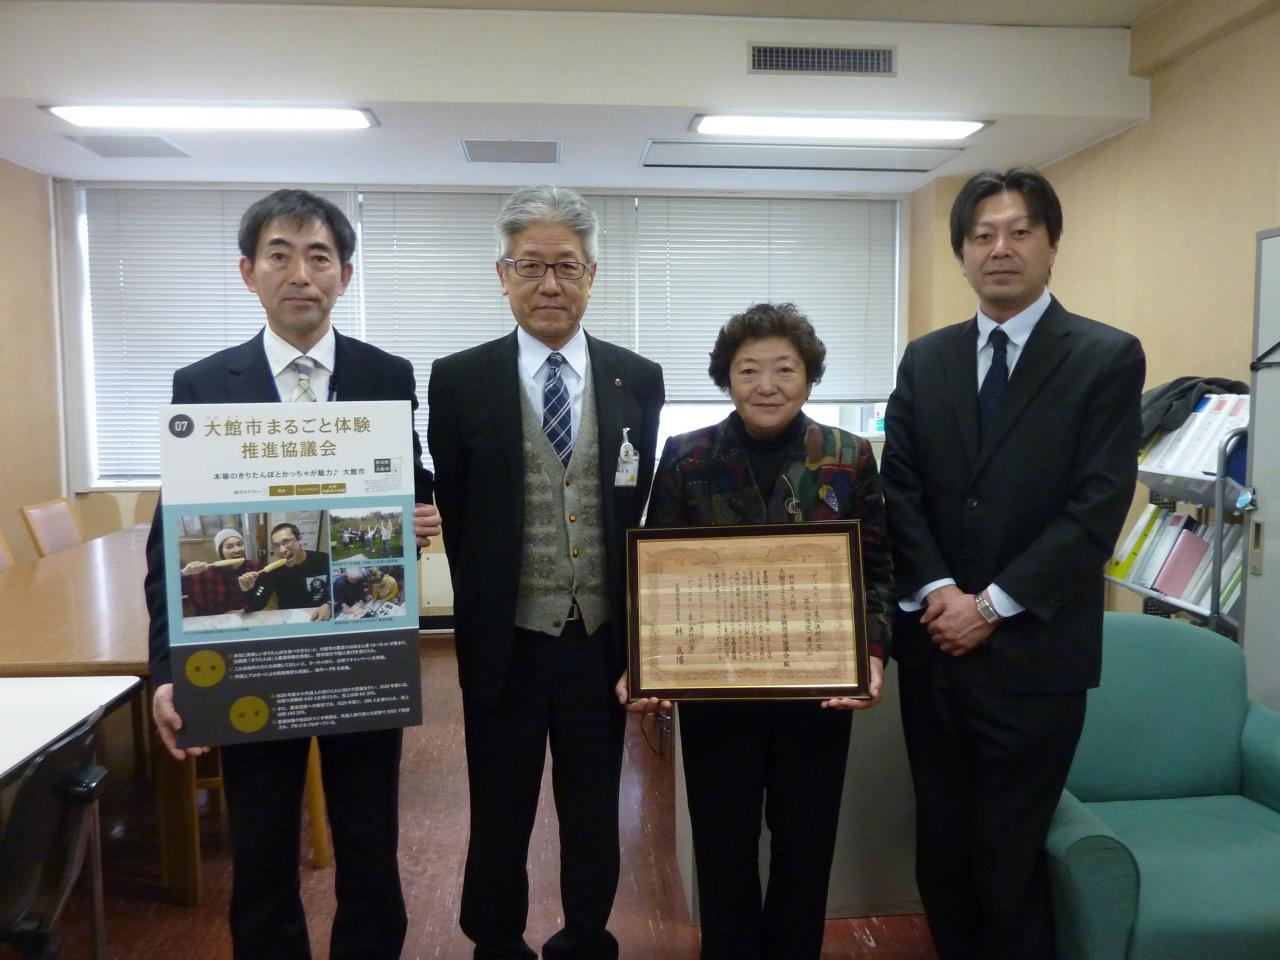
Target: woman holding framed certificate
768,463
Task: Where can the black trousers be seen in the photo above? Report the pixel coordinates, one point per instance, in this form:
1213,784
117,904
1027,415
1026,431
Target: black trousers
989,766
264,785
791,758
561,693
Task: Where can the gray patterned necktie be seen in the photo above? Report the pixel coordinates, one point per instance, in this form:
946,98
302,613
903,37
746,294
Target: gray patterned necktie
556,421
302,393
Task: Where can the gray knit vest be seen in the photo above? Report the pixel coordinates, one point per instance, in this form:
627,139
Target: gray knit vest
563,557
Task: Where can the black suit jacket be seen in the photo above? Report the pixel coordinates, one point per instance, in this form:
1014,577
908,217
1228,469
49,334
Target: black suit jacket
476,444
1035,507
240,374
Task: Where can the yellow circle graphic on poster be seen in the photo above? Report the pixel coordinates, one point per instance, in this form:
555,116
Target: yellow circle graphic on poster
249,714
205,668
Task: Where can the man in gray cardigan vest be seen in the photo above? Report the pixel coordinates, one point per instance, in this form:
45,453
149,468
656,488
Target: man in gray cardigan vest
536,490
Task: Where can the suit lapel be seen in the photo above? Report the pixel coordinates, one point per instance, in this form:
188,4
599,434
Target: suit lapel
351,380
1045,350
609,388
960,363
249,379
499,385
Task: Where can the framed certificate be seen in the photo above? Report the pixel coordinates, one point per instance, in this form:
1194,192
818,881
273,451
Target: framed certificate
753,612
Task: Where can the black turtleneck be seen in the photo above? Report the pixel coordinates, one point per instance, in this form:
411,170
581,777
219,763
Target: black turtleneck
766,456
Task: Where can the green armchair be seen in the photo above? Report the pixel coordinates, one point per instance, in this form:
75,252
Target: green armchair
1166,843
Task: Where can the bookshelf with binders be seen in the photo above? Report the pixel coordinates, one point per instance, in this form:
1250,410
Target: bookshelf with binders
1185,552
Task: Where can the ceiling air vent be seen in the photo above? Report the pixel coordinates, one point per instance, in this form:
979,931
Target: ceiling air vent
511,151
842,61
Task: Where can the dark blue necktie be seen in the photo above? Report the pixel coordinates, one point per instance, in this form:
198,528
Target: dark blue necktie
997,379
556,422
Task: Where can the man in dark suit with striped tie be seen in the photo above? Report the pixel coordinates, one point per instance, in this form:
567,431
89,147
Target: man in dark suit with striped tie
1009,464
296,251
543,443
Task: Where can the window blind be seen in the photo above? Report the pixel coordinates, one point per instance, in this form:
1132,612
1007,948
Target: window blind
704,259
430,288
429,285
165,289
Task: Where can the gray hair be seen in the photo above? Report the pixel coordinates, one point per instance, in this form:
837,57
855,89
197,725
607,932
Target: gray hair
546,204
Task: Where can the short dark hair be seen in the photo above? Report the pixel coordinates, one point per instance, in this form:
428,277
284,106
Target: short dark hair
283,526
300,208
1042,202
767,320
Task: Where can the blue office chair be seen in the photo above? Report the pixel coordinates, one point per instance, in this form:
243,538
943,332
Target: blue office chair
54,820
1166,843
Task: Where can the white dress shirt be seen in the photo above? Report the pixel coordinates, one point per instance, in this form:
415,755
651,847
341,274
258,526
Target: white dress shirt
531,359
1018,328
280,354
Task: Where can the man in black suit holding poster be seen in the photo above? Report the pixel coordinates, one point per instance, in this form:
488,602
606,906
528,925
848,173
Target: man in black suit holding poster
1004,502
296,251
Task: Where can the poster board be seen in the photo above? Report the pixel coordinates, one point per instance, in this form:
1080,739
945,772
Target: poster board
309,625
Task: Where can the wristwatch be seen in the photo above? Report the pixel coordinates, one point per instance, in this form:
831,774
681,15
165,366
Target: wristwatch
985,609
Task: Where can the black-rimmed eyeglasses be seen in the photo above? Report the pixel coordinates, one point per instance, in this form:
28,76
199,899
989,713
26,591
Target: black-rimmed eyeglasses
536,269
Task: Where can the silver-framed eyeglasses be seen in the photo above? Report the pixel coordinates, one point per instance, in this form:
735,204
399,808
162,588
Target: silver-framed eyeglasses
537,269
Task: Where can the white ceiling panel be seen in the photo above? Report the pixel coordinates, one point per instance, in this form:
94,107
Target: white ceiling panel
602,85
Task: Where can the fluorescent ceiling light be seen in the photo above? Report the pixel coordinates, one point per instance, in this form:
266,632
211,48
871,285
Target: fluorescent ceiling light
836,128
216,118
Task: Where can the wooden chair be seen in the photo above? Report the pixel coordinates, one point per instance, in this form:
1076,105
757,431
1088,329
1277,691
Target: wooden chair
6,555
53,526
209,777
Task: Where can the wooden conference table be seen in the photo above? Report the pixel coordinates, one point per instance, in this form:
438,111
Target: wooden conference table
81,612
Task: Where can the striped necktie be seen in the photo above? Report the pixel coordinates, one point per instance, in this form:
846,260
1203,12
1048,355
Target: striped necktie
556,422
303,393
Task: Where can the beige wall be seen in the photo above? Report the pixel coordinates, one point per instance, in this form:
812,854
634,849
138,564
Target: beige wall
1160,221
30,462
937,293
